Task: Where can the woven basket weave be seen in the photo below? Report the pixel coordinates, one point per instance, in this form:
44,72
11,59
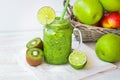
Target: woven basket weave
89,33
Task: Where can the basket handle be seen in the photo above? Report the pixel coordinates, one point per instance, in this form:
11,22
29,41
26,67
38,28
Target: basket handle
70,13
69,10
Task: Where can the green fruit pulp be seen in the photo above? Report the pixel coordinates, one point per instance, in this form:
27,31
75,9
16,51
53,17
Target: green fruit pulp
46,15
35,43
88,11
111,5
77,59
34,53
108,48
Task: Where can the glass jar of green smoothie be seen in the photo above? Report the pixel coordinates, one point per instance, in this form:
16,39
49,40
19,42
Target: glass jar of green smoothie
57,41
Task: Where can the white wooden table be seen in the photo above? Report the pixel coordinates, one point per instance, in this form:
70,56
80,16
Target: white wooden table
17,19
11,70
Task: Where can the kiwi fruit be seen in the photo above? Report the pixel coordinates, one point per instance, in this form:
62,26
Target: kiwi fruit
34,56
35,43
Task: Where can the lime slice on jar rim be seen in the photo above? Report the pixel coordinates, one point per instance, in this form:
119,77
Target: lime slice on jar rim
77,59
46,15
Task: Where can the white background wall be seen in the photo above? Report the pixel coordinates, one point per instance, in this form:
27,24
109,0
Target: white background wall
21,14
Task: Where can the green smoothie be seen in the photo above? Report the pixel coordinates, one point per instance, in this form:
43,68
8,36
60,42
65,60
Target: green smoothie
57,41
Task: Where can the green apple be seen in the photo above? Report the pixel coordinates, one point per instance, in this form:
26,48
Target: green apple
111,5
108,47
88,11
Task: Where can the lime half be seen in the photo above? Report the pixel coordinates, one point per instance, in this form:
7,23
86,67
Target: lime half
46,15
77,59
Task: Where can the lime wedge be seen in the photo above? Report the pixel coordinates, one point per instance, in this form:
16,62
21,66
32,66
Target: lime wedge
77,59
46,15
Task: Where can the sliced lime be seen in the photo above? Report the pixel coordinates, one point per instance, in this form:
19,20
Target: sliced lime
46,15
77,59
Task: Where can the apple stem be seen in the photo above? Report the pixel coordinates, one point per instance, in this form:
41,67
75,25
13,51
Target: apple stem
64,10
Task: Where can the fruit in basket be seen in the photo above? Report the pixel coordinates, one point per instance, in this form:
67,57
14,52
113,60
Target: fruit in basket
88,11
111,5
111,20
34,56
35,43
108,48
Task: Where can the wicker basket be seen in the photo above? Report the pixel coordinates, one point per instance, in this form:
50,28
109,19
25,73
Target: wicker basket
89,33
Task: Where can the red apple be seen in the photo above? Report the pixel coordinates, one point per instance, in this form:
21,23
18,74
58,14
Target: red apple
111,20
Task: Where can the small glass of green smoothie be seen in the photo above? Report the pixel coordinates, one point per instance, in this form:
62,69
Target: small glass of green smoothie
57,41
57,35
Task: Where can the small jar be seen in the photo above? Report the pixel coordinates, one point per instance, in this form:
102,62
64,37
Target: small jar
57,41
